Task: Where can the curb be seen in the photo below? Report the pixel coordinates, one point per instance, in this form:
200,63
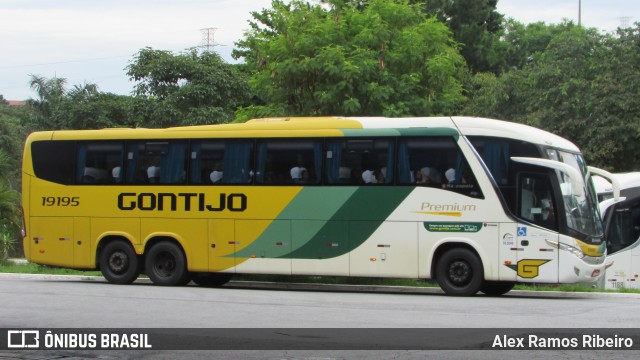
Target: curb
260,285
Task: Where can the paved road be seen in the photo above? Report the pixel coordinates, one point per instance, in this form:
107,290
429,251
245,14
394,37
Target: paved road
78,302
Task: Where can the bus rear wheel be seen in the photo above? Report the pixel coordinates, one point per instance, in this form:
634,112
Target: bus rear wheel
459,272
211,280
165,264
119,264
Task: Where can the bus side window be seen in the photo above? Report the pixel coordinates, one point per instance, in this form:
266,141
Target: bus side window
284,161
624,228
207,158
53,160
435,162
99,162
238,162
536,201
156,162
360,161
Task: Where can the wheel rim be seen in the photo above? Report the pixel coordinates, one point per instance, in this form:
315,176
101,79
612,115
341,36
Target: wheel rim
460,272
118,262
164,265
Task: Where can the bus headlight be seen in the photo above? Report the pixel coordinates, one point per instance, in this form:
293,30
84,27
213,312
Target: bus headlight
575,251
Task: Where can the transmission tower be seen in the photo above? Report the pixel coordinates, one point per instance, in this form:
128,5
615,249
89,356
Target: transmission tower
208,41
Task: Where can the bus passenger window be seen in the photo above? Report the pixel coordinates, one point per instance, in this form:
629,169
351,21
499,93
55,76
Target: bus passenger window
237,163
435,162
285,162
156,162
360,161
207,159
98,162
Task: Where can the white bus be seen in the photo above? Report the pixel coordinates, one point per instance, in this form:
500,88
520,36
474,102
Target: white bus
622,231
476,204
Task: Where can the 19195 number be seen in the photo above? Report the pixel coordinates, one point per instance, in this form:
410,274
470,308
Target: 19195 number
60,201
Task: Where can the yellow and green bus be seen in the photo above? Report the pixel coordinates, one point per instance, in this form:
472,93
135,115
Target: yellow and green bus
476,204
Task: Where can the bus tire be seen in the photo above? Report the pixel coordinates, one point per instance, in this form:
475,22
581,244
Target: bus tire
119,263
166,265
459,272
211,279
496,288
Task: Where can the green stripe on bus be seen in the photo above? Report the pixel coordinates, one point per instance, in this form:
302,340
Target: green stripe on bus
321,224
309,211
353,223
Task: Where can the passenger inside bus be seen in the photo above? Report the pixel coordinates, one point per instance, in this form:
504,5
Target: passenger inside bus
371,177
298,173
153,174
94,174
216,176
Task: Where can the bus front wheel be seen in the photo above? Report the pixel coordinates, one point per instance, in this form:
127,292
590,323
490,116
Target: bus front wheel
119,264
459,272
165,264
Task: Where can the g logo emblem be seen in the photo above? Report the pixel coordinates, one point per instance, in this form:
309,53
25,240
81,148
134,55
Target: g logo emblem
528,268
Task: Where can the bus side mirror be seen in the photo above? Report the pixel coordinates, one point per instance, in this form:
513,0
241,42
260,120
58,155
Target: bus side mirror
607,175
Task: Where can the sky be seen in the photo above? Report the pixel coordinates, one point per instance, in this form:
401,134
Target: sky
87,41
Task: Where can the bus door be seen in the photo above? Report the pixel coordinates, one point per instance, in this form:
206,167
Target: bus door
222,245
537,260
623,244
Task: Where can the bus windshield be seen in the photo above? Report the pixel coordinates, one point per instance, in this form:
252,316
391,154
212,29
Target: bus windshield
580,207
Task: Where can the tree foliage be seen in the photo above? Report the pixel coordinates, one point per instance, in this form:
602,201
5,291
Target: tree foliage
371,58
185,89
578,87
476,25
81,107
379,57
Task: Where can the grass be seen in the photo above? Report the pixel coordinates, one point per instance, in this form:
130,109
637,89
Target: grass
30,268
43,269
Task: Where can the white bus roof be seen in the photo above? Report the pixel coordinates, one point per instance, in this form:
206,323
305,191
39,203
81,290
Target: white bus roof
474,126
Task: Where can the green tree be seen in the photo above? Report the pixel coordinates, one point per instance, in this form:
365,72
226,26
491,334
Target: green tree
477,25
49,95
521,44
89,109
9,214
583,87
379,57
12,135
186,89
82,107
